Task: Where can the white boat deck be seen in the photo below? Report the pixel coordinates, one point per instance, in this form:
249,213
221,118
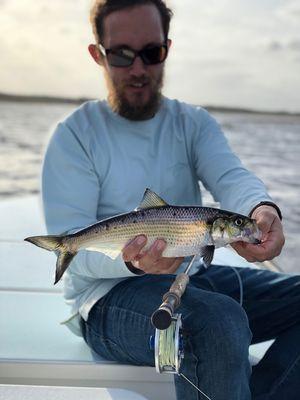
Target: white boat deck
29,392
35,349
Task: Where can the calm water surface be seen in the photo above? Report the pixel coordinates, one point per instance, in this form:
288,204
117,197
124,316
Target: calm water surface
268,145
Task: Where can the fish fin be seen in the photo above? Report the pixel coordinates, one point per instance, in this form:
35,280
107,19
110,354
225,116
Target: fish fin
63,261
207,254
112,253
50,242
54,243
150,200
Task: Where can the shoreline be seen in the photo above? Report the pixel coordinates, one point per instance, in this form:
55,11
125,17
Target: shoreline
77,101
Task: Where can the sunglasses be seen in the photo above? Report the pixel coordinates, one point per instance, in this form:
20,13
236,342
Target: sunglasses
125,56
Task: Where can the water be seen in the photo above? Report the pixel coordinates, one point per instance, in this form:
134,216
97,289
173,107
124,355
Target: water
268,145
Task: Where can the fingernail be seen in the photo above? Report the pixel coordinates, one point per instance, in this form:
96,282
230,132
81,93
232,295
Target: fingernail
140,240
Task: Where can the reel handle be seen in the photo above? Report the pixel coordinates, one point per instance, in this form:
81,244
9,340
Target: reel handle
162,317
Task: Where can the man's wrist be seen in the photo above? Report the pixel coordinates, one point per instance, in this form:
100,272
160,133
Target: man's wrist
270,204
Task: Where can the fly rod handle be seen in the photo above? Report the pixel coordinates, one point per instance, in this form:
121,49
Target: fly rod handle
162,317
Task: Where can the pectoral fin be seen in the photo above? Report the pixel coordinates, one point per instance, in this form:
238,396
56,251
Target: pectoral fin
207,254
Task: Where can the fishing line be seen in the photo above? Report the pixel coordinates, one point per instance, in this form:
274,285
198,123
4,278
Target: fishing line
203,394
241,288
240,284
167,356
169,351
271,265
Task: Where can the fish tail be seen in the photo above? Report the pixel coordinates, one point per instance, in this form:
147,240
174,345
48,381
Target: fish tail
55,243
51,243
63,261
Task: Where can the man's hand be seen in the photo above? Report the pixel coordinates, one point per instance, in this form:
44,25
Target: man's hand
150,261
272,236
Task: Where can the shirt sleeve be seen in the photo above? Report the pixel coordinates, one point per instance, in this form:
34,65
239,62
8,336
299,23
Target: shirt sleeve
70,191
221,171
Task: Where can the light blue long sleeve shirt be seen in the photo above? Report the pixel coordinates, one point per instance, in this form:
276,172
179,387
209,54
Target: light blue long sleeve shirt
98,164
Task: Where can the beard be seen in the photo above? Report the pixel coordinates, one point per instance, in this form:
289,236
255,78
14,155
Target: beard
138,111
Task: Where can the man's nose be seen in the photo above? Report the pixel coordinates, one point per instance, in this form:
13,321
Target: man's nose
138,67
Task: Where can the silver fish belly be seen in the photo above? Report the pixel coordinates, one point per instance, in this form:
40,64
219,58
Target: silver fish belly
187,230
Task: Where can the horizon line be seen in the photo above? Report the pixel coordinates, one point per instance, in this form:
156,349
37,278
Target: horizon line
80,100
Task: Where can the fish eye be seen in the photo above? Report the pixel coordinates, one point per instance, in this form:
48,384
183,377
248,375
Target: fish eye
238,222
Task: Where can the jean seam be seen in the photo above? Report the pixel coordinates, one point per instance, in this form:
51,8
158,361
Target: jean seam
195,377
126,310
210,281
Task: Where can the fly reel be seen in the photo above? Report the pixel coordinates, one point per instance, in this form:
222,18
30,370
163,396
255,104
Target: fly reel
168,347
168,340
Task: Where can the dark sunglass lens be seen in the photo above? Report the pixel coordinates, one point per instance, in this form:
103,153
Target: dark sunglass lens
120,57
154,55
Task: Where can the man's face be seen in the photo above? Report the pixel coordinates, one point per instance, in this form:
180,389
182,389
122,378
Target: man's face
134,91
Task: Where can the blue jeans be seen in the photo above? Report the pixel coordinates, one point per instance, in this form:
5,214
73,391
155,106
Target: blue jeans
217,331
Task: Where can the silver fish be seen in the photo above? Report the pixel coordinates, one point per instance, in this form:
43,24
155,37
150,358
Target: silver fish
187,230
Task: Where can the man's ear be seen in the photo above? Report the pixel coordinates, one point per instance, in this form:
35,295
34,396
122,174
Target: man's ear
95,53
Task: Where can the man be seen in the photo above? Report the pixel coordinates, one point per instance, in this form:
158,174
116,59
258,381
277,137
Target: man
98,164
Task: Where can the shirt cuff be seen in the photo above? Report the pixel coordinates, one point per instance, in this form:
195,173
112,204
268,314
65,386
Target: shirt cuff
133,269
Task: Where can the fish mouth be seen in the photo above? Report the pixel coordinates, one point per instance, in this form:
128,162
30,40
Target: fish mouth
253,237
247,239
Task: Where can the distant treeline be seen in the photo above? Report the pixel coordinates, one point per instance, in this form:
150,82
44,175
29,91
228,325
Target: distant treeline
66,100
40,99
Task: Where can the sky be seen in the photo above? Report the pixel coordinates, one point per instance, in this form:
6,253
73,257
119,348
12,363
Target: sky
234,53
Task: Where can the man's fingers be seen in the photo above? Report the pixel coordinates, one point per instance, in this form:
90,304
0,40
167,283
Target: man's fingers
152,256
257,253
265,217
133,248
150,261
161,266
156,250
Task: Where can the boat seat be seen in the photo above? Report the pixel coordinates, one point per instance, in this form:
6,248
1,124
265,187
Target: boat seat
30,392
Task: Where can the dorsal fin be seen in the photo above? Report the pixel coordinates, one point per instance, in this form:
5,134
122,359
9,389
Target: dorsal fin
150,200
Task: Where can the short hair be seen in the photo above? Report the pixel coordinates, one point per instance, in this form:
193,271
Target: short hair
102,8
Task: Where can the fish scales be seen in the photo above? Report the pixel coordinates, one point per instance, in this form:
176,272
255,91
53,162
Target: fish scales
187,230
183,228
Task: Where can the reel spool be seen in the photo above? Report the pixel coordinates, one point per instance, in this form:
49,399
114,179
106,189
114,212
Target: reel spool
168,347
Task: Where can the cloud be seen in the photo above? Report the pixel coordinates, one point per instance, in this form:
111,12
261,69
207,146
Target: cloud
289,10
222,49
275,45
294,45
291,45
42,45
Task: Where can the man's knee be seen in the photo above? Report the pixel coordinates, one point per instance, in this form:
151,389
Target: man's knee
217,320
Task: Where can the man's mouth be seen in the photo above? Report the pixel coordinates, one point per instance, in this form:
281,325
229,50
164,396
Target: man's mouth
138,85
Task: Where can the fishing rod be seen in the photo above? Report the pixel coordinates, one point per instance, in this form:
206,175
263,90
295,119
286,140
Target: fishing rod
168,340
162,317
